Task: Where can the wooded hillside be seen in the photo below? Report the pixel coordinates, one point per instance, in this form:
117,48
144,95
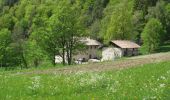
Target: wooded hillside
34,31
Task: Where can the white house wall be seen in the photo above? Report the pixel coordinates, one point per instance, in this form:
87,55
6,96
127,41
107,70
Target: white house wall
110,53
92,51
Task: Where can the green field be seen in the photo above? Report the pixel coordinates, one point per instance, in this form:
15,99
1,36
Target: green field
151,81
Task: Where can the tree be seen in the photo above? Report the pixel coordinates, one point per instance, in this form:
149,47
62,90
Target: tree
138,21
58,34
143,5
120,24
6,21
167,14
34,54
5,40
65,33
152,35
10,2
157,12
160,12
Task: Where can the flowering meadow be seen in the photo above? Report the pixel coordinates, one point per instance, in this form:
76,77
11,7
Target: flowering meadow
146,82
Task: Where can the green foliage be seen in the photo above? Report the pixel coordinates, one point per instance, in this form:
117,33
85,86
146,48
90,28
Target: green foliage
6,21
138,22
149,9
167,14
37,56
158,12
5,40
152,35
69,30
120,22
143,5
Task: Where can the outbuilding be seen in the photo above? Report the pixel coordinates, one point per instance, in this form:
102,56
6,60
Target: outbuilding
127,47
110,53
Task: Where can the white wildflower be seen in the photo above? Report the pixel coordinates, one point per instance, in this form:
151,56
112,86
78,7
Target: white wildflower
35,84
150,98
154,97
163,78
162,85
144,99
80,73
113,89
92,80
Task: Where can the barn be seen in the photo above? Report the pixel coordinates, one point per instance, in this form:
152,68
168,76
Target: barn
119,48
127,47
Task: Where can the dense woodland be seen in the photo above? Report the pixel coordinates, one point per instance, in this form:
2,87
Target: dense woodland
32,32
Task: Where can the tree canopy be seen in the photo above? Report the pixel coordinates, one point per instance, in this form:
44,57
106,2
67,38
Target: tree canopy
152,35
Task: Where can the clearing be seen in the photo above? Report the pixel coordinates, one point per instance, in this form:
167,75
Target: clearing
107,66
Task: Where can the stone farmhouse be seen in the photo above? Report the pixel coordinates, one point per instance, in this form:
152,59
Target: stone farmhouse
91,52
116,49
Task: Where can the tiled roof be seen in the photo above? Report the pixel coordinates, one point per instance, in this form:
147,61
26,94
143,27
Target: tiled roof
90,42
125,44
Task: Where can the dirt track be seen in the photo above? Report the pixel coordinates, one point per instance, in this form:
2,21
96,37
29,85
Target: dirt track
106,66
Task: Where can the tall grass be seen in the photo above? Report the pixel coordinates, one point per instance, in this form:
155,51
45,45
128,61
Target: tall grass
151,81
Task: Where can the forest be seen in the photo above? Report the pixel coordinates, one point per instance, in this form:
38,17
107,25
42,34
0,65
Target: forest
32,32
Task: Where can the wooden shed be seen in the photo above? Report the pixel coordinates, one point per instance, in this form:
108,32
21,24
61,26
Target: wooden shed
127,47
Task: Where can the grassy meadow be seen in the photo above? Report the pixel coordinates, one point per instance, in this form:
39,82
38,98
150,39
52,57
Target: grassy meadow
146,82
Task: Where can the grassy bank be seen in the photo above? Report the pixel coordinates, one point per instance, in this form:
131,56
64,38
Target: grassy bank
165,47
151,81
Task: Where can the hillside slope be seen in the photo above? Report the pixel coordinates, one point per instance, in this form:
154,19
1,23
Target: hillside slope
106,66
150,81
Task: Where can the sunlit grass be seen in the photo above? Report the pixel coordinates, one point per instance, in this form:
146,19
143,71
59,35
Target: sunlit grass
151,81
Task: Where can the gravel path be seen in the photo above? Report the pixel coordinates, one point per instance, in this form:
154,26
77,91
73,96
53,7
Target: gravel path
106,66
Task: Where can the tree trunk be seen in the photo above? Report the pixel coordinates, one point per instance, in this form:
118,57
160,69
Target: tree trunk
24,61
68,57
36,62
69,52
53,60
63,56
5,60
23,58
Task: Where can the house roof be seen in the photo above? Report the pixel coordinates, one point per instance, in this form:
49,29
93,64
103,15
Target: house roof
90,42
125,44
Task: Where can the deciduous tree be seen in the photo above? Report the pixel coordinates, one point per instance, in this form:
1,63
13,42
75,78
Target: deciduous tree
152,35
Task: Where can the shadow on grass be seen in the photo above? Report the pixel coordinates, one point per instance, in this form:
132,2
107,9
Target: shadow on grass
164,48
